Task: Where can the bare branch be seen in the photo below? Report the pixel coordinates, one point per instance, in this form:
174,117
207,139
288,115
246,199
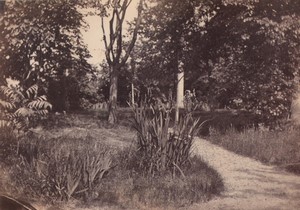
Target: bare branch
107,50
129,2
134,36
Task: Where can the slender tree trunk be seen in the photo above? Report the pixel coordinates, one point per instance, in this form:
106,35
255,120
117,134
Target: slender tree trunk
113,95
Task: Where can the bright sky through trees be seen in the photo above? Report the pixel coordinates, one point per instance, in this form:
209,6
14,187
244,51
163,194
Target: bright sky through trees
93,36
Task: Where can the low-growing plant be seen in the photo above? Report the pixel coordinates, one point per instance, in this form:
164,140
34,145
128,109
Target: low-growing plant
83,168
162,148
60,171
132,189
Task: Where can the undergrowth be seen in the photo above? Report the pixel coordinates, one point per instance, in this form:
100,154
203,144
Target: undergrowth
87,169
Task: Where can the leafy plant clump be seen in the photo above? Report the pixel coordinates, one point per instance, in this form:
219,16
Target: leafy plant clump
20,108
160,147
61,169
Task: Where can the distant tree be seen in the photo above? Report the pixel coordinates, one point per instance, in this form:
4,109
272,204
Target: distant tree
169,30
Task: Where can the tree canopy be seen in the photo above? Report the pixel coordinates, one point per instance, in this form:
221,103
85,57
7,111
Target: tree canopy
41,43
238,54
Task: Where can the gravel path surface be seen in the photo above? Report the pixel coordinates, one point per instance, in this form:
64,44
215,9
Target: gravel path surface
249,184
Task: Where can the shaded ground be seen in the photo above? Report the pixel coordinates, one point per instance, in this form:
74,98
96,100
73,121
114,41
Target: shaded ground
249,184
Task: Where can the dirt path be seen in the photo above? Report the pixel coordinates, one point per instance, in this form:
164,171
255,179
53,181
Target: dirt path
249,184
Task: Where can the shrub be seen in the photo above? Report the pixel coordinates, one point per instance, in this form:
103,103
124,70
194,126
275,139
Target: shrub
20,108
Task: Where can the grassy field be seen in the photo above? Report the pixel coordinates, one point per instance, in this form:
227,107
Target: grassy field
79,157
281,148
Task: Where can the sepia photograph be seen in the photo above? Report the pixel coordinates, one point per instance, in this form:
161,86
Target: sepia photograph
149,104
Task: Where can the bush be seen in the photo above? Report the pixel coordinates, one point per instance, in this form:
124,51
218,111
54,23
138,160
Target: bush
21,108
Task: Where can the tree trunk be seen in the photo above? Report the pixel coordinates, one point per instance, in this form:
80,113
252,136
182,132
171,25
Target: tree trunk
113,95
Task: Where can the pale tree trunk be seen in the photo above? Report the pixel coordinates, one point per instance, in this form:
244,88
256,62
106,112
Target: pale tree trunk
179,89
113,94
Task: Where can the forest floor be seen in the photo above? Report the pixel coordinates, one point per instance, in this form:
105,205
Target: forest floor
250,185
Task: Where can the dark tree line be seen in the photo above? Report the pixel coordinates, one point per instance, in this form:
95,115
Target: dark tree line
41,43
236,54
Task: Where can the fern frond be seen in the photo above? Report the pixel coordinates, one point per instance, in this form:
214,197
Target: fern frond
11,116
41,98
5,123
8,92
7,105
42,112
38,104
32,91
19,125
24,112
12,93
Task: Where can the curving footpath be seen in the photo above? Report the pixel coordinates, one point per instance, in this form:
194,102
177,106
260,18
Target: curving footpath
250,185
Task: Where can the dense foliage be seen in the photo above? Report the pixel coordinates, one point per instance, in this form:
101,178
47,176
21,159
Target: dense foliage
20,108
41,43
237,54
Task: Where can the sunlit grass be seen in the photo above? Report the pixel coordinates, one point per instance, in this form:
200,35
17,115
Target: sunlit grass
276,147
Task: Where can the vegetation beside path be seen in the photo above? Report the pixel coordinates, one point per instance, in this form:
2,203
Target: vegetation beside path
77,158
279,147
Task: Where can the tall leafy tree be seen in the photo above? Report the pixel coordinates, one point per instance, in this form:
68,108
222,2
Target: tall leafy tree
169,31
242,54
252,56
41,43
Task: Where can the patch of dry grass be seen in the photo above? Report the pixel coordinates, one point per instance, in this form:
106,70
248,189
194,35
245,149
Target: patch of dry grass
275,147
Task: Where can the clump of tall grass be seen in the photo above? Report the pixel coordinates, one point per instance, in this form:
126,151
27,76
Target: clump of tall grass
61,169
162,147
276,146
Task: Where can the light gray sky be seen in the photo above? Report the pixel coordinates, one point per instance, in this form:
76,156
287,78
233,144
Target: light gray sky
93,37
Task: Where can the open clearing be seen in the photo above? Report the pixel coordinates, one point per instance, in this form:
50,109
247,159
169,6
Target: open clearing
249,184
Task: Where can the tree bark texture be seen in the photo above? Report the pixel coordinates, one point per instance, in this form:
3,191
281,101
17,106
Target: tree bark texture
113,94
